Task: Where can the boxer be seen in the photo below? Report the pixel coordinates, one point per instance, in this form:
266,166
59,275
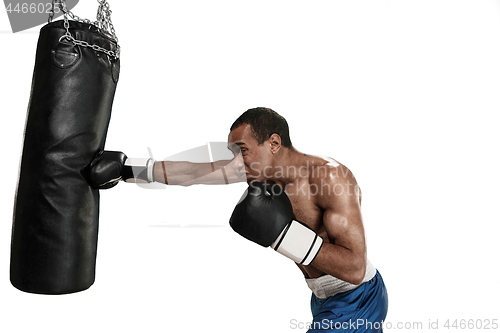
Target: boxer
306,207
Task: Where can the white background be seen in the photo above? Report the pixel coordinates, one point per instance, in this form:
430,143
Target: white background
405,93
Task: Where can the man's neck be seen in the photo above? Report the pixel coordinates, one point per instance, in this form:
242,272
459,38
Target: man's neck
288,167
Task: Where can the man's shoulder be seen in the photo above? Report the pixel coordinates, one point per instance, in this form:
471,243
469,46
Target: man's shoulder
324,169
332,182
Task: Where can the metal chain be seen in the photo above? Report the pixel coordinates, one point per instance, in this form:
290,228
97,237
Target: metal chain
103,23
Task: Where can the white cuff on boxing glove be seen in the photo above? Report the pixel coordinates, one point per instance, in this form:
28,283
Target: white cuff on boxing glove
139,170
298,242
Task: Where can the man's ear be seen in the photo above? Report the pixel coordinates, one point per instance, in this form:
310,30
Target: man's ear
275,142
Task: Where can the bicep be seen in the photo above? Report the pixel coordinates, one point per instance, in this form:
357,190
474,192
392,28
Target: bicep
343,220
343,229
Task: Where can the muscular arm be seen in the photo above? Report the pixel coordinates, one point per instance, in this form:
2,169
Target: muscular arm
345,256
188,173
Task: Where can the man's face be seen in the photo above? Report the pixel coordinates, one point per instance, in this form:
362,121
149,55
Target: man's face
256,158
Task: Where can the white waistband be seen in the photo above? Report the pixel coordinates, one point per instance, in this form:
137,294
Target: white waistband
327,285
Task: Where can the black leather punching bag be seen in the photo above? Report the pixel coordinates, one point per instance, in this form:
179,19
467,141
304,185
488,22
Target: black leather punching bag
54,234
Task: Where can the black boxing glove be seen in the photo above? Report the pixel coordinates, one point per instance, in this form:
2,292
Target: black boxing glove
109,167
265,216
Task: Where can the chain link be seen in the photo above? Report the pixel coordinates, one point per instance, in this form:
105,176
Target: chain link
103,22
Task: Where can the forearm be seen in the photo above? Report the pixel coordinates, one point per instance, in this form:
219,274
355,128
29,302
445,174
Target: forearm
341,263
188,173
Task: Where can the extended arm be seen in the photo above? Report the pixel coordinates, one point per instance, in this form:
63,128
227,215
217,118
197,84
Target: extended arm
188,173
109,167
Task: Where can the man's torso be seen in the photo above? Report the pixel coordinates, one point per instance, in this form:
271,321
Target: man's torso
304,193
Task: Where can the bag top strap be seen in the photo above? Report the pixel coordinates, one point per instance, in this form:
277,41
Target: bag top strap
103,23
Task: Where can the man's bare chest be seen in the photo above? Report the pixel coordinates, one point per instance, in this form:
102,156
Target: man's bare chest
305,208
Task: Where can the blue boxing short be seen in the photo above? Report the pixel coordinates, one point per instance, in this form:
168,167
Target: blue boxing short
362,309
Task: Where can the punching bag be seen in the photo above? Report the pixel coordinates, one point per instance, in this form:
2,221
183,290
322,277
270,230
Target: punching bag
55,226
